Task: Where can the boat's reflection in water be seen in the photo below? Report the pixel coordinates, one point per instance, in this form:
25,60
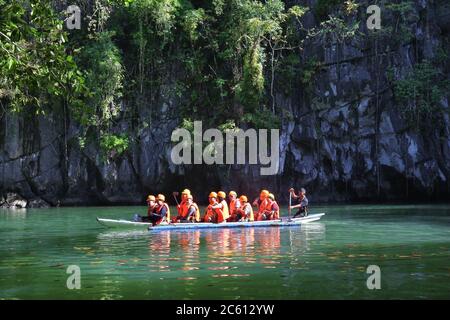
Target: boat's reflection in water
216,250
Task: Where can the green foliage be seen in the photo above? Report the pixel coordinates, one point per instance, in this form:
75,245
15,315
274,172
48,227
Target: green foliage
351,7
334,30
101,61
187,124
220,61
249,90
419,95
228,125
309,70
403,16
222,47
191,22
113,145
161,13
35,67
262,119
404,8
324,8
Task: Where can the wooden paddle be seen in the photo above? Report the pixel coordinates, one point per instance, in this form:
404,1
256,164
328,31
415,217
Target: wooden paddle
175,195
289,208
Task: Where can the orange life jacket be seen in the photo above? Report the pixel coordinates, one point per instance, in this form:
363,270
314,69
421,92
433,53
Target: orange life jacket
183,209
215,215
233,206
264,205
276,214
159,208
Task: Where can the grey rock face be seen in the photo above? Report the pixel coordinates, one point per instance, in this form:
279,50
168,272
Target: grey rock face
13,201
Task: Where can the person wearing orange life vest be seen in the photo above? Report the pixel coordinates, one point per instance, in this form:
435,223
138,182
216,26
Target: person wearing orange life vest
183,207
151,206
213,213
222,205
162,211
193,214
275,208
271,211
261,203
234,205
245,211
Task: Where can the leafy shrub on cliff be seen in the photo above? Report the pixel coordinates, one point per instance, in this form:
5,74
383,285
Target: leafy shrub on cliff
101,60
419,95
113,145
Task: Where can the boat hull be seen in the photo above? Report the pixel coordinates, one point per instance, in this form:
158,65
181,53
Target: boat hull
256,224
285,222
114,223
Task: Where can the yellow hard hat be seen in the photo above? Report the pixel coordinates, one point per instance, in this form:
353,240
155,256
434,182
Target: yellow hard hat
243,198
221,194
186,191
161,197
232,193
271,196
151,198
212,195
265,193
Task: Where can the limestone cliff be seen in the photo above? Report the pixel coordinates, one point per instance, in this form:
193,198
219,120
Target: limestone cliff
346,140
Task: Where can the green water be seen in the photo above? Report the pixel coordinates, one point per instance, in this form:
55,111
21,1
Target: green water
326,259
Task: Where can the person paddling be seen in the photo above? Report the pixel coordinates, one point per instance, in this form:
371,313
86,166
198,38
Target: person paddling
234,206
302,202
183,206
261,203
151,206
223,205
193,214
271,211
162,211
213,212
245,211
275,208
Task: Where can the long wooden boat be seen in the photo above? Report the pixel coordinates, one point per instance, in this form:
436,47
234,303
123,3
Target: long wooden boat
121,223
284,222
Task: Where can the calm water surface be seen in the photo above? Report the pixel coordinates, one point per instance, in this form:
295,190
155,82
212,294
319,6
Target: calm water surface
326,259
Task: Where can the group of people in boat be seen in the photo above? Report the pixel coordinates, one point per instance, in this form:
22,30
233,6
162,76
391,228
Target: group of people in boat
219,210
